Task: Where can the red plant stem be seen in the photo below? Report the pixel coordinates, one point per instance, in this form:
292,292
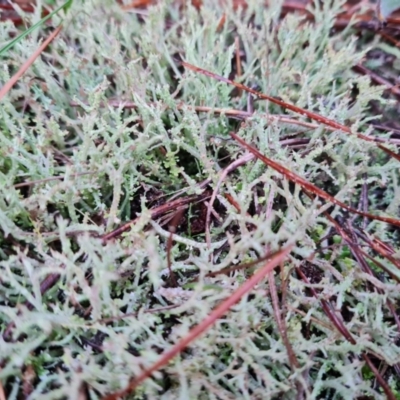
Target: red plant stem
309,186
205,324
338,322
155,212
5,89
314,116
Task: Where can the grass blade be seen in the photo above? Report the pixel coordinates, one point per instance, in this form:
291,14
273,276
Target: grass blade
13,42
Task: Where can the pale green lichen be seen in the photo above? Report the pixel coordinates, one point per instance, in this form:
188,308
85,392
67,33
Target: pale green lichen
112,162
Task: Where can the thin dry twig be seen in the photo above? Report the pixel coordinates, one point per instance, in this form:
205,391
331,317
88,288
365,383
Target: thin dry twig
238,62
338,322
309,186
379,247
172,229
234,165
294,363
135,314
228,270
52,178
156,212
2,394
205,324
13,80
310,114
45,285
241,114
377,79
348,234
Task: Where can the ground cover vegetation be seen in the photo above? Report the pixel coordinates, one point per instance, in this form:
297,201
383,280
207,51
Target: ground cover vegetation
199,200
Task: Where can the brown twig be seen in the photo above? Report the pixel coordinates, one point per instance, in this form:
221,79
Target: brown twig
172,229
205,324
379,247
156,212
337,321
377,79
53,178
234,165
309,186
240,114
2,394
310,114
135,314
238,62
228,270
13,80
294,363
347,232
46,284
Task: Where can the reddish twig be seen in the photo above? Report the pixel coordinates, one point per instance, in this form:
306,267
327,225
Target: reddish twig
309,186
52,178
240,114
237,163
205,324
172,228
2,394
13,80
46,284
380,247
156,212
337,321
377,79
310,114
348,234
238,62
294,363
